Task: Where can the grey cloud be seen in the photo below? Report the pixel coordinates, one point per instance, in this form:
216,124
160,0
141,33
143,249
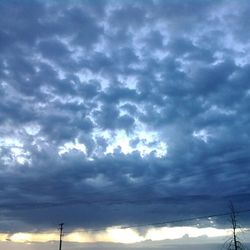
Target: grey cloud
61,68
117,94
109,118
53,49
124,17
88,90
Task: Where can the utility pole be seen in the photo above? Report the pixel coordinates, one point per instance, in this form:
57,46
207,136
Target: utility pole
61,235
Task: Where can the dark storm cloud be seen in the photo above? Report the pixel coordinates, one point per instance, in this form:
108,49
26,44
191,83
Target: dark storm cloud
84,72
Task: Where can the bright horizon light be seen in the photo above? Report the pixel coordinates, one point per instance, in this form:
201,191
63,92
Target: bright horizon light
119,235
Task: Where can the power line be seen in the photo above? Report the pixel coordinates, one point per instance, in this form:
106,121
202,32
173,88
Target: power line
158,224
155,224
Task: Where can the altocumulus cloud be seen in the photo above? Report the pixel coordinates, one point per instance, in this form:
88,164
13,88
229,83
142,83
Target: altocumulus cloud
118,113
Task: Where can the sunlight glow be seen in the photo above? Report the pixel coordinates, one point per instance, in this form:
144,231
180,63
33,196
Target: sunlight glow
125,236
67,147
33,237
16,150
145,142
173,233
112,234
120,235
3,237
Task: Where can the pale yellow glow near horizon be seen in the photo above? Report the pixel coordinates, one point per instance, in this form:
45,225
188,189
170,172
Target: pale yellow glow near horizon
125,236
115,235
33,237
119,235
173,233
3,237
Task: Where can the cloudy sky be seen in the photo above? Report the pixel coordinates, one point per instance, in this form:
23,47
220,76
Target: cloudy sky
123,113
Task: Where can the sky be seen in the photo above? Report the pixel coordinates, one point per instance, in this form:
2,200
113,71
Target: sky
123,119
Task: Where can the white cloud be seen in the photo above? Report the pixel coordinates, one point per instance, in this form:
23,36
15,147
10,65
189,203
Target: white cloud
68,146
202,135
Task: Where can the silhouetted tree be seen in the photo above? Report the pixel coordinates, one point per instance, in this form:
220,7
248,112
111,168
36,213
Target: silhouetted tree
234,243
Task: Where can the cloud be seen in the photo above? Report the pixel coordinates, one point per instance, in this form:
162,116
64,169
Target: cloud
119,113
